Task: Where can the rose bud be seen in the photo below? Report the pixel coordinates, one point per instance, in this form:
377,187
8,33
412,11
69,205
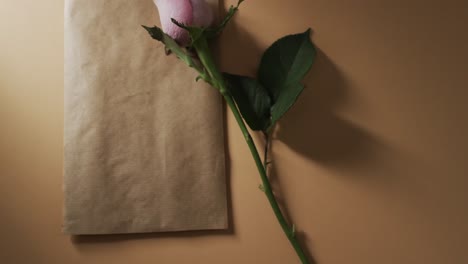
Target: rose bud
189,12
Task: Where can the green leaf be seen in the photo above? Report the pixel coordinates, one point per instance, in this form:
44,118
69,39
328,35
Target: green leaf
252,99
283,66
170,44
195,32
157,34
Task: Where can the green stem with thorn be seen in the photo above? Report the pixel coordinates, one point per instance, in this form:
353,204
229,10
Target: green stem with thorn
217,80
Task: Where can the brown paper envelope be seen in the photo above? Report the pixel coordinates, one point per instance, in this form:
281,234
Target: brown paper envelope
143,141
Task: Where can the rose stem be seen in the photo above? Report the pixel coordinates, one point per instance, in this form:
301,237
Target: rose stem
218,82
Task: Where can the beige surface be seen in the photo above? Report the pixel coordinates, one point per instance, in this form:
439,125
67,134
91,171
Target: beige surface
143,142
372,162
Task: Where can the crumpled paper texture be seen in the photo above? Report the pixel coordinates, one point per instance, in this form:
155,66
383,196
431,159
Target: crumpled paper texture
144,147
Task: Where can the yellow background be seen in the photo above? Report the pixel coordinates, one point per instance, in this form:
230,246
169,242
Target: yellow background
371,162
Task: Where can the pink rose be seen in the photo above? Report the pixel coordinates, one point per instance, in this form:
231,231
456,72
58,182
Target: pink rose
189,12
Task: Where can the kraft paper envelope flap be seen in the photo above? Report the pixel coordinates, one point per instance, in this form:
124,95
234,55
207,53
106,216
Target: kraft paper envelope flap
144,147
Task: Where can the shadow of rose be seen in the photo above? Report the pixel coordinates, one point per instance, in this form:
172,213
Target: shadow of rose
237,51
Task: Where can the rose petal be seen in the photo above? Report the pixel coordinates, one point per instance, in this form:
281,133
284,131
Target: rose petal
180,10
202,13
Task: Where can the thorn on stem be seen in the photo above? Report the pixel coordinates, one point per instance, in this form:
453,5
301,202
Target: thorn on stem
261,188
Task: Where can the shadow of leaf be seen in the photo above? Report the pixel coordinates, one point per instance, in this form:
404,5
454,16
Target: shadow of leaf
312,127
